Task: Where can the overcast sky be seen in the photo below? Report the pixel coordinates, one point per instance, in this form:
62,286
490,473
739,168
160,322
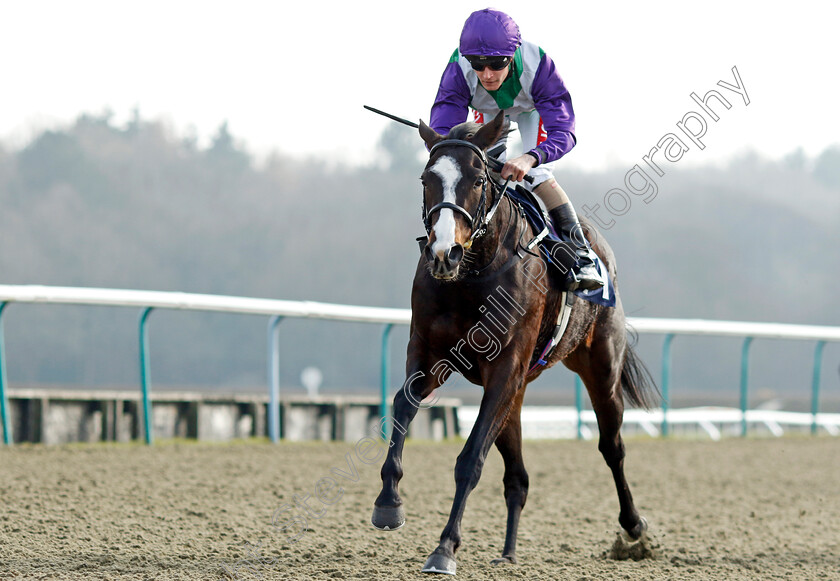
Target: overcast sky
293,76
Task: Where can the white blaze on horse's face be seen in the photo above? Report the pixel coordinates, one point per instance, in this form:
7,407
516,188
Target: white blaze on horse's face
449,172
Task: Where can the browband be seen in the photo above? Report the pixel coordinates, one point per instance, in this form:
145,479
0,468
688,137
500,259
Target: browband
462,143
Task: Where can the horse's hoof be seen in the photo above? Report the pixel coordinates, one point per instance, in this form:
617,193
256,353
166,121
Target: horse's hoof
635,544
388,518
504,559
439,563
637,531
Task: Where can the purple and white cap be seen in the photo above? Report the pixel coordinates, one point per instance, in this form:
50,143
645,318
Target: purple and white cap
489,32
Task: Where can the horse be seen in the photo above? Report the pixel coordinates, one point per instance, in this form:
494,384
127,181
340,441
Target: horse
478,311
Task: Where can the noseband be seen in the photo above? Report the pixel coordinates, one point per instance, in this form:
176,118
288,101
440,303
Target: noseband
478,222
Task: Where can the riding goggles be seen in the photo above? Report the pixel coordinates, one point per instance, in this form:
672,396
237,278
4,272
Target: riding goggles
495,63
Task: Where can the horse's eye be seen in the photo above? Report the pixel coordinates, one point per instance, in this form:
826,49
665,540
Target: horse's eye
479,182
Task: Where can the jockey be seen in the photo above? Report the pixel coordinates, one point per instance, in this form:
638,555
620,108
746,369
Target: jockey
491,70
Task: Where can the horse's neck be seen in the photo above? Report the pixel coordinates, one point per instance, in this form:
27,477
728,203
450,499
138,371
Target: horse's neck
502,236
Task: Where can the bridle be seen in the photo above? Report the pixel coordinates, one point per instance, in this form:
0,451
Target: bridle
479,221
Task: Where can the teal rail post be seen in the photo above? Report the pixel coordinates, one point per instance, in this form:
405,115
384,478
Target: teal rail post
274,432
579,405
815,386
666,381
386,372
4,399
145,374
745,376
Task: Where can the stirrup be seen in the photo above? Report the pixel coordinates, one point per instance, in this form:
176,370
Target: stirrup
587,278
585,275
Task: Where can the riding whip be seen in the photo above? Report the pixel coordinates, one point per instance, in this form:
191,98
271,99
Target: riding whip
495,162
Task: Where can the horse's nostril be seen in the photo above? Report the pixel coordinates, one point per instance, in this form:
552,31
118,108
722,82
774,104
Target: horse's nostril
455,254
427,252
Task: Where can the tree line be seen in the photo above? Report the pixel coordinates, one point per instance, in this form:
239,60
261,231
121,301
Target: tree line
137,206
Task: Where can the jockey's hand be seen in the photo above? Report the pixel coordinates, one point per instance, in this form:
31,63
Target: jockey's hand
517,167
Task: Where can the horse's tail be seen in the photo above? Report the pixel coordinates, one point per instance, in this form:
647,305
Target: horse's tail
636,381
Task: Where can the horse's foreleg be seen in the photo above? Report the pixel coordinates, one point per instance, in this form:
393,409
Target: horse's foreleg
388,513
509,443
499,394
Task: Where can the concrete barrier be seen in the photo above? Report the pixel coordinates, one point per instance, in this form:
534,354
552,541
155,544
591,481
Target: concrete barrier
61,416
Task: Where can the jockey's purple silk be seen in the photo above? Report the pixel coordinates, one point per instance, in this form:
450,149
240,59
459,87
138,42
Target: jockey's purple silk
489,33
548,95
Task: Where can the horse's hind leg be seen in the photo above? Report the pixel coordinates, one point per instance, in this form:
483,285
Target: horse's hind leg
509,443
602,378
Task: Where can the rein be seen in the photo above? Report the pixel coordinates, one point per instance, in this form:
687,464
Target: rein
514,257
483,216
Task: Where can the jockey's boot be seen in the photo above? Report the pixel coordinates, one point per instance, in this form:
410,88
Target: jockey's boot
585,275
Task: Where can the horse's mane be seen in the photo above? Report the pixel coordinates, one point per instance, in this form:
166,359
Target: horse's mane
463,131
468,129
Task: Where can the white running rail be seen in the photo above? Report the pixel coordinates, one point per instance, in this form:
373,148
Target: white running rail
713,421
550,423
310,309
317,310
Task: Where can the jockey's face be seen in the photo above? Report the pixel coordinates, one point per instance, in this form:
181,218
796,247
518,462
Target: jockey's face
492,80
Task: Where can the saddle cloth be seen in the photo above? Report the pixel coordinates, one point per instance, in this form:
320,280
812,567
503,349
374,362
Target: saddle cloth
540,222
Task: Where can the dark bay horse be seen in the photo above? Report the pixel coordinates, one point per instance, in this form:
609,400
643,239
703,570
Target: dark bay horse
479,310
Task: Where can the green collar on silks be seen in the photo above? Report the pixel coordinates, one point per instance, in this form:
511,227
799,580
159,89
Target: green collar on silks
506,94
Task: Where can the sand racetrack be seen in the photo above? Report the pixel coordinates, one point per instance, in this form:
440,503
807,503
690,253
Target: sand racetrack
736,509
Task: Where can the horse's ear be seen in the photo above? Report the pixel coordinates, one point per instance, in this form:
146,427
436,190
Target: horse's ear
490,132
429,135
